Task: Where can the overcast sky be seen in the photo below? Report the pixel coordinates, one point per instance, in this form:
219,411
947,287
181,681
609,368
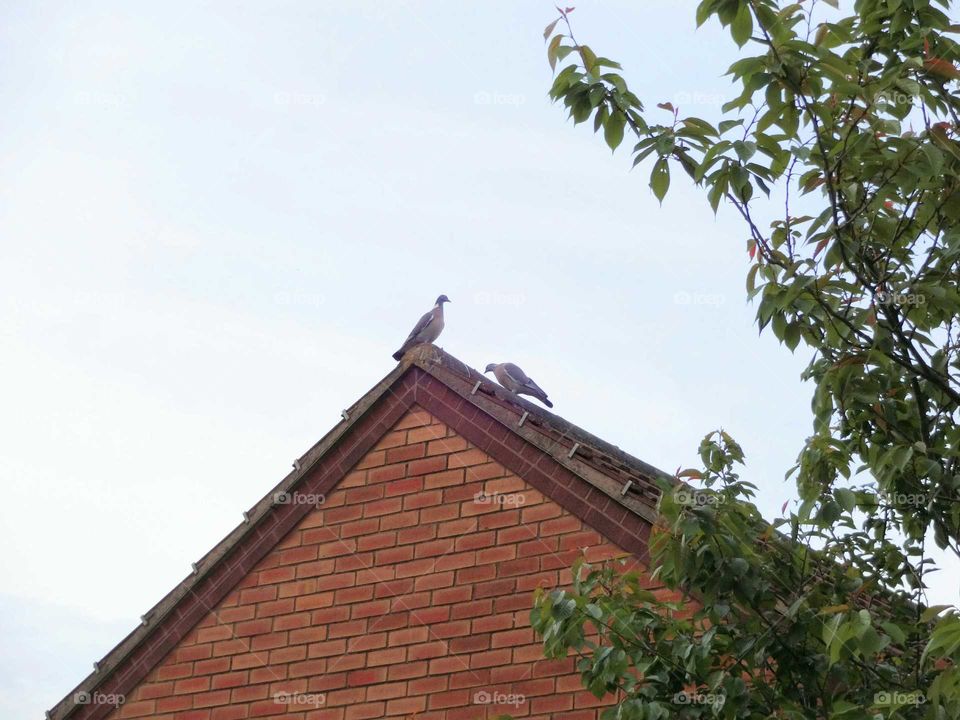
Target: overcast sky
219,219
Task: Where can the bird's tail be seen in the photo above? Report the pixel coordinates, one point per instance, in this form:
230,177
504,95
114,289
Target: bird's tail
398,355
546,402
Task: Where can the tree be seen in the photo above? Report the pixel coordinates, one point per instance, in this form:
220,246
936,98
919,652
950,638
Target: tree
820,613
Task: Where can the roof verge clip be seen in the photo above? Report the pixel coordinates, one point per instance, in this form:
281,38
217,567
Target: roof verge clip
573,450
523,419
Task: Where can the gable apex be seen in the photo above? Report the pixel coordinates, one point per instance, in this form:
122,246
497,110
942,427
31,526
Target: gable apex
607,489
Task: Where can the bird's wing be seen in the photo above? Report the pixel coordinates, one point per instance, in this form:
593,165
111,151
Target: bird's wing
521,378
515,374
421,325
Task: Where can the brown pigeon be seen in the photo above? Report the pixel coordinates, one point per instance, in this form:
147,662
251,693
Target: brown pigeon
427,329
516,380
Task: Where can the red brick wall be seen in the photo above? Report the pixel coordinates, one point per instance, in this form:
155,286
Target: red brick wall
400,596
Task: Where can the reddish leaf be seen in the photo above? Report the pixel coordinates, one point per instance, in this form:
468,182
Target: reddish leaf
549,29
941,68
784,508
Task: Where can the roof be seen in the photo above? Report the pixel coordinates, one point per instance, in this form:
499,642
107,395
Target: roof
609,489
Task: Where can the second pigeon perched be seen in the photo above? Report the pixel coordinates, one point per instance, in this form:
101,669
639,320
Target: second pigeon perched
516,380
427,329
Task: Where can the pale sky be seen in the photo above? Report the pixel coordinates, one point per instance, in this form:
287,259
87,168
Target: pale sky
219,219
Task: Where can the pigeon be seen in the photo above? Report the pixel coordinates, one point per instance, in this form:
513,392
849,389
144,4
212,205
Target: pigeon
427,329
516,380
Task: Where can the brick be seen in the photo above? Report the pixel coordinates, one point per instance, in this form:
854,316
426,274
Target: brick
428,432
188,686
473,609
451,698
365,711
386,691
446,446
391,439
416,534
499,519
363,494
217,632
403,487
427,465
406,706
173,703
388,656
475,541
367,677
277,575
466,458
443,479
386,473
407,670
567,524
423,499
386,506
434,547
523,566
410,451
416,417
399,520
209,699
214,665
496,554
258,594
229,680
378,541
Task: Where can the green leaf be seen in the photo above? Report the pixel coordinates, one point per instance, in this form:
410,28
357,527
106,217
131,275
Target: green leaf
589,59
552,51
613,129
742,24
660,179
846,498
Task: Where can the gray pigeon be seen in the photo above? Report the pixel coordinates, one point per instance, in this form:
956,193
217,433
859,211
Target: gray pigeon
427,329
516,380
